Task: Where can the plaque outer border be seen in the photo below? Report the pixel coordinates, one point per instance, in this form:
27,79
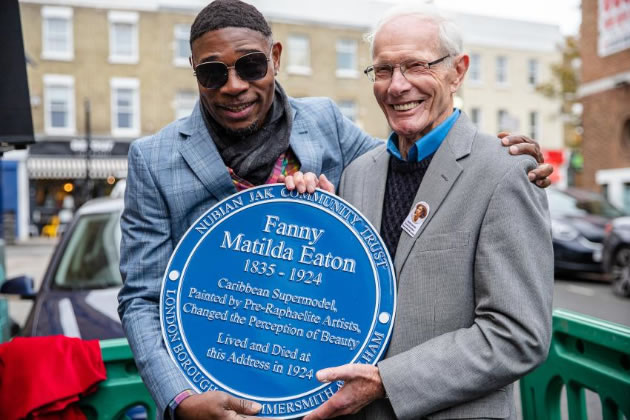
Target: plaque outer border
326,389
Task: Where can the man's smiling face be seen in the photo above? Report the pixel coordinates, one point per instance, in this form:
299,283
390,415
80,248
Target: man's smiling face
414,105
238,106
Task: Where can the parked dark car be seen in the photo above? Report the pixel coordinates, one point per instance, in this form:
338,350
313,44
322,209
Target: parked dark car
617,255
77,297
578,220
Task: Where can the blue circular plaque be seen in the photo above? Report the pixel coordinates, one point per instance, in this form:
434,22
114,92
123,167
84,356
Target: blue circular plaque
268,287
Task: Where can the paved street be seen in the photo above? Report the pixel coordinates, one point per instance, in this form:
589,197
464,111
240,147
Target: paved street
590,297
31,259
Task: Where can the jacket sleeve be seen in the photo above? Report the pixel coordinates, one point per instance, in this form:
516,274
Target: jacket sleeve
510,334
146,247
352,140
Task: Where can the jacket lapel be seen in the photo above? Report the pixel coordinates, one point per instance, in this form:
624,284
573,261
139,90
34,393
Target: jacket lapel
440,177
374,189
305,148
202,156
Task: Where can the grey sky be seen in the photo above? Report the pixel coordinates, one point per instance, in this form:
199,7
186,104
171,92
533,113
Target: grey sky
565,13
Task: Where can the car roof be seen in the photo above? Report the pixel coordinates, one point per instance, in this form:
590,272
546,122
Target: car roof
580,194
102,205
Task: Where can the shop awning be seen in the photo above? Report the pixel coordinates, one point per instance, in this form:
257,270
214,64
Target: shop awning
73,168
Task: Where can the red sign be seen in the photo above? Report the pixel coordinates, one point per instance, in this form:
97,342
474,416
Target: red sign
556,159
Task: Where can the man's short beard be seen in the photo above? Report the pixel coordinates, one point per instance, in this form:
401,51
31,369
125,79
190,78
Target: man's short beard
241,133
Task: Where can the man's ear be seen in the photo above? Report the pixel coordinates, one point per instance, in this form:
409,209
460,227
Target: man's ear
460,67
276,52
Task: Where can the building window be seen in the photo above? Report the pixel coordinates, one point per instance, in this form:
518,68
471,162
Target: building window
59,105
182,45
184,103
503,120
57,39
534,125
123,37
348,109
474,72
502,70
299,47
347,58
532,72
475,117
125,107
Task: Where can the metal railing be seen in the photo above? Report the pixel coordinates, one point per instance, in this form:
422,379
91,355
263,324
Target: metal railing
586,353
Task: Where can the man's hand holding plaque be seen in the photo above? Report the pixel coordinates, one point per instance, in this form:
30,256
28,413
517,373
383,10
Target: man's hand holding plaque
307,182
215,405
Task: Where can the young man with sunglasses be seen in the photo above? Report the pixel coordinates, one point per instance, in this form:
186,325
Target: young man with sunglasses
245,131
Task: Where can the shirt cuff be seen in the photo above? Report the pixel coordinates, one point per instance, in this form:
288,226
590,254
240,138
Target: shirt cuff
177,400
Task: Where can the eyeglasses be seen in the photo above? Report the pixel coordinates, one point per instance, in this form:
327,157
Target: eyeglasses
409,69
249,67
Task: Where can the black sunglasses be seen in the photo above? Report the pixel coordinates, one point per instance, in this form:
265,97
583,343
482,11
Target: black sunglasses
249,67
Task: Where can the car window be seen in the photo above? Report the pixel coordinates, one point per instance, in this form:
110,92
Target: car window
91,257
562,205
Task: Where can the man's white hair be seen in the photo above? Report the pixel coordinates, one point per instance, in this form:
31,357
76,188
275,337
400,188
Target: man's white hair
449,35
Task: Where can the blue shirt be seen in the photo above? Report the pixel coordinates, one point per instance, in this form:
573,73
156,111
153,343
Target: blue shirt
426,145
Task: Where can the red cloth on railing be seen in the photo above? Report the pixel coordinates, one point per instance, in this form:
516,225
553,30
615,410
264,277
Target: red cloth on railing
42,377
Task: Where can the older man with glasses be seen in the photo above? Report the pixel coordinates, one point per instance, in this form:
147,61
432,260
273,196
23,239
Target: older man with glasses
474,271
245,131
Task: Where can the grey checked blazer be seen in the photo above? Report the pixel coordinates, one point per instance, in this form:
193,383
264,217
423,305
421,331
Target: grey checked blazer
174,177
475,284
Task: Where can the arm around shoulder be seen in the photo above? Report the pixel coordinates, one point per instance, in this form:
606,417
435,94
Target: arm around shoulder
353,141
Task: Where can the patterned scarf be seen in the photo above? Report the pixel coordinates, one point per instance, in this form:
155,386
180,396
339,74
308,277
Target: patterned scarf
252,157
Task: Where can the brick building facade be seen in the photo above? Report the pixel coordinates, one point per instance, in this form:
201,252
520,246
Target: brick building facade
605,95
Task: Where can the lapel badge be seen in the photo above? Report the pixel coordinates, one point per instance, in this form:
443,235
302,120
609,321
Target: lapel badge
416,217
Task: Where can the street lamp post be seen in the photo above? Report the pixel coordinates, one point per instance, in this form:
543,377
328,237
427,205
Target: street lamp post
88,149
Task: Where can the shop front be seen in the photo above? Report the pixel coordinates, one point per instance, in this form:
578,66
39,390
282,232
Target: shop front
63,175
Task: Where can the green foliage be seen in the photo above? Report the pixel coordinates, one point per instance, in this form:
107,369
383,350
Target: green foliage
565,78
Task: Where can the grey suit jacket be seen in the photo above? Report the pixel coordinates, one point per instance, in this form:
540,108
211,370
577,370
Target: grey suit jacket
174,177
475,284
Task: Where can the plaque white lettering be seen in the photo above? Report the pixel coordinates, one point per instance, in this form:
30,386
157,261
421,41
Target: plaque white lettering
306,233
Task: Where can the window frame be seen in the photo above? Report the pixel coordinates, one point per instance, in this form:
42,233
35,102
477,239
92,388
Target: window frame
536,72
506,79
130,18
180,100
500,112
116,83
178,30
343,105
535,129
351,47
479,79
65,81
479,123
65,13
298,69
